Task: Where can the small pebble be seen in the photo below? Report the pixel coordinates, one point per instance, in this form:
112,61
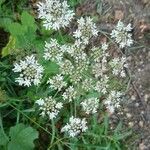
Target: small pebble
128,115
142,112
146,97
142,146
141,123
131,124
137,104
133,97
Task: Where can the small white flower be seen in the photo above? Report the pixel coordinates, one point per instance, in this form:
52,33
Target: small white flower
98,69
90,105
86,30
98,54
77,52
49,107
55,14
102,85
30,71
87,84
75,126
118,65
57,82
113,101
76,76
70,94
66,67
53,51
121,35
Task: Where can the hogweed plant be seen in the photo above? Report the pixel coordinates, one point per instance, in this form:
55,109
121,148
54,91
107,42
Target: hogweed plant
86,85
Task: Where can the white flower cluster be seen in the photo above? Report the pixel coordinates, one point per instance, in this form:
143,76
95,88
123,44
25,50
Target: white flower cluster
90,105
75,126
70,94
113,101
86,30
88,84
55,14
57,82
53,51
30,71
99,57
77,52
118,65
121,34
84,69
102,85
49,107
100,54
66,67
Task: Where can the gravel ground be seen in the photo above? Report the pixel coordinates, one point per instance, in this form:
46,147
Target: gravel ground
136,113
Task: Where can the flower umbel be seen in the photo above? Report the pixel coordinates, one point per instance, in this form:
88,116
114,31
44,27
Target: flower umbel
86,30
118,65
53,51
113,101
30,71
70,94
102,85
49,107
57,82
90,105
75,126
121,34
55,14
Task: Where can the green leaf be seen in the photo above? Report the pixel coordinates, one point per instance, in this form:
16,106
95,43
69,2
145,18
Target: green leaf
27,19
106,124
51,67
3,139
17,29
9,47
22,137
122,136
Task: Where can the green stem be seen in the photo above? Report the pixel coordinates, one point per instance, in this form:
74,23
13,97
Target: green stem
60,34
53,131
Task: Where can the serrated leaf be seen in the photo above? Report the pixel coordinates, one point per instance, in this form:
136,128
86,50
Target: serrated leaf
22,137
27,19
9,47
17,29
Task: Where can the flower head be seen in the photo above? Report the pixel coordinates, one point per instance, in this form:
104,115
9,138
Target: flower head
53,51
57,82
90,105
66,67
87,84
70,94
49,107
30,71
55,14
121,34
99,53
113,101
75,126
118,65
102,85
86,30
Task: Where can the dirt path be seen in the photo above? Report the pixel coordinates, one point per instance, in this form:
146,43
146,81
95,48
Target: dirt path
136,113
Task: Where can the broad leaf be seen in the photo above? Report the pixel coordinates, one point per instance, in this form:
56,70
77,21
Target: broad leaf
22,137
3,138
